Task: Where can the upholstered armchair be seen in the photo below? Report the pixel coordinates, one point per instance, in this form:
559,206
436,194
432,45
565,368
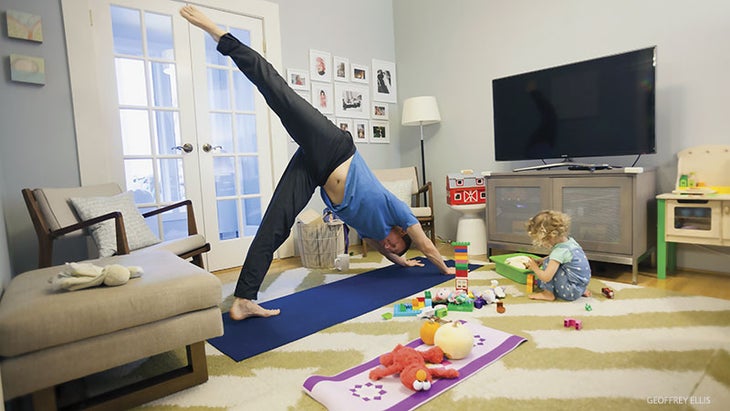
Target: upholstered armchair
110,217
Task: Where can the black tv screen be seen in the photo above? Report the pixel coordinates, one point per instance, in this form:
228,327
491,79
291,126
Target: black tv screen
595,108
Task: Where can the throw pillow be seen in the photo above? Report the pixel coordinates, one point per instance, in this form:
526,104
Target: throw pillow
400,188
139,234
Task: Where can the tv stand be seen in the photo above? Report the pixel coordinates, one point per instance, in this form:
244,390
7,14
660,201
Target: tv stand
572,165
610,211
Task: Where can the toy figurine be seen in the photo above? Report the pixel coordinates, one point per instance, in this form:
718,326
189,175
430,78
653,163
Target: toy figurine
607,292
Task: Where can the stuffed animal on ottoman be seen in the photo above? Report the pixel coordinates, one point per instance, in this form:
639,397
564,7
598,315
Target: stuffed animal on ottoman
411,364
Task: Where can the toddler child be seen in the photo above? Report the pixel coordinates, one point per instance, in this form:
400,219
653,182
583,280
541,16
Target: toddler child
564,273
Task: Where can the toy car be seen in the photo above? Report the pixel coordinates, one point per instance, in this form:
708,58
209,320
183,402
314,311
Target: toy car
607,292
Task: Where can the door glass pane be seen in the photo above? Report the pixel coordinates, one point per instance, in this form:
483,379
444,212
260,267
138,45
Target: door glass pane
221,131
127,31
243,93
693,218
135,129
218,89
212,56
252,215
227,219
163,92
131,83
140,176
249,175
172,182
168,131
225,176
159,35
175,223
246,133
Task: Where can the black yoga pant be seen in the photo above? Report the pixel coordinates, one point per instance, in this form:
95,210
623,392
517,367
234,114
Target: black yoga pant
322,148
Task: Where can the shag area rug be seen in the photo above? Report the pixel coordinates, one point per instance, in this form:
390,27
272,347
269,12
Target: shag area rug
645,349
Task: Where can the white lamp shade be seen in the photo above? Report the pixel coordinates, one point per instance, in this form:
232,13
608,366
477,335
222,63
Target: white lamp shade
420,111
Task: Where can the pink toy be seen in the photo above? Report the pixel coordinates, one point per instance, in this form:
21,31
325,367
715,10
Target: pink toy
571,322
411,365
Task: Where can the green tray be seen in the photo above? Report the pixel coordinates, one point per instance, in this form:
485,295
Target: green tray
513,273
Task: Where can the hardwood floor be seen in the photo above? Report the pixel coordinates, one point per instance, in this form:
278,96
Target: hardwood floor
684,281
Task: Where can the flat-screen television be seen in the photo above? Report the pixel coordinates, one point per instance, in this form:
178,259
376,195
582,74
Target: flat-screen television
595,108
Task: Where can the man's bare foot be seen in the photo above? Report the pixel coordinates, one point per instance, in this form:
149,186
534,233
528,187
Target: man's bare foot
587,293
199,19
243,308
544,295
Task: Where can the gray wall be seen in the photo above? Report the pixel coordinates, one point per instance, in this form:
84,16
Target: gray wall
454,49
448,49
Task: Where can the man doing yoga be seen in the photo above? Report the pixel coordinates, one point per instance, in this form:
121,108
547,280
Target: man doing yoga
326,158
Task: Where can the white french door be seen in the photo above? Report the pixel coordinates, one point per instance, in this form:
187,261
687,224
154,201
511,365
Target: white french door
181,120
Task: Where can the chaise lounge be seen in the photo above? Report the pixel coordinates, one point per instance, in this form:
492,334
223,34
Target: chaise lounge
50,337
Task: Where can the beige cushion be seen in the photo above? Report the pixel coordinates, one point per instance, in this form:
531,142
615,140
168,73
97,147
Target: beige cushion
56,208
399,188
179,245
139,234
34,317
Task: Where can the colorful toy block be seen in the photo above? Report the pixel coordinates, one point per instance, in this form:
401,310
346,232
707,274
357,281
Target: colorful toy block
405,310
573,323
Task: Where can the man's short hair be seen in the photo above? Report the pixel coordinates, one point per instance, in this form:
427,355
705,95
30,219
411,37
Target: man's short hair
407,240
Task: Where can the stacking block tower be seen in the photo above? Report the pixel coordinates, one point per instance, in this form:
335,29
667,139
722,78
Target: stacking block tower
461,262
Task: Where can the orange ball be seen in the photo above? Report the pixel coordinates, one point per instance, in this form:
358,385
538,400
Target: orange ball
428,330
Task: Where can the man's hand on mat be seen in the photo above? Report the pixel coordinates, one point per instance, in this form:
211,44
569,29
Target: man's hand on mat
413,263
243,308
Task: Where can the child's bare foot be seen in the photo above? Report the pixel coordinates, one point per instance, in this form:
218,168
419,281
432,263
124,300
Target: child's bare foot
199,19
544,295
587,293
243,308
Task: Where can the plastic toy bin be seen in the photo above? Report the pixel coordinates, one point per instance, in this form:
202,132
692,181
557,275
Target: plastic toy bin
319,244
513,273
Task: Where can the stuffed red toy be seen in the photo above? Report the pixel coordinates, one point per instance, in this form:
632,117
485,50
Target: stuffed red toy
411,364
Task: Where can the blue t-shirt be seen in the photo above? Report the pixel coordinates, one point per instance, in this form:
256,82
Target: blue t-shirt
368,206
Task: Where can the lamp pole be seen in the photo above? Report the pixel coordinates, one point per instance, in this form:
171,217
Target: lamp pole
423,166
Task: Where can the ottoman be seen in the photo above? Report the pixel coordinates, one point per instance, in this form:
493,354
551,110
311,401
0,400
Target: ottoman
51,337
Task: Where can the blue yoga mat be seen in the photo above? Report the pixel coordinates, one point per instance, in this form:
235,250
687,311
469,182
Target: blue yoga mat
315,309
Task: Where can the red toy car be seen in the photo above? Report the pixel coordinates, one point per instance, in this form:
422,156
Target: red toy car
607,292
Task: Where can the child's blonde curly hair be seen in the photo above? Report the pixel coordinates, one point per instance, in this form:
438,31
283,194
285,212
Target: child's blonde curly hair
546,226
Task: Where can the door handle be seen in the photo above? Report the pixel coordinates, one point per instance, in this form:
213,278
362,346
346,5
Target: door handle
187,147
208,148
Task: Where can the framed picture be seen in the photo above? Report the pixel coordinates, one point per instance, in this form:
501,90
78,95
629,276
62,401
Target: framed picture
24,26
359,73
320,66
322,98
345,124
379,131
384,83
297,79
362,131
27,69
380,111
352,100
342,69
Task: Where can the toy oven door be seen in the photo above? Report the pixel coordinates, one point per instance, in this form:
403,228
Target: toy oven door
693,218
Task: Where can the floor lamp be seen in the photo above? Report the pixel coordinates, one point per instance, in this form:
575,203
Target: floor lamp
421,111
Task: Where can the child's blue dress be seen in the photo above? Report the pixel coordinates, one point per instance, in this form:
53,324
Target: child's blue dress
574,273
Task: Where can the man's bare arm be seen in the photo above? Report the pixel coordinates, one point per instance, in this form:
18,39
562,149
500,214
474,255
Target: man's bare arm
426,246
